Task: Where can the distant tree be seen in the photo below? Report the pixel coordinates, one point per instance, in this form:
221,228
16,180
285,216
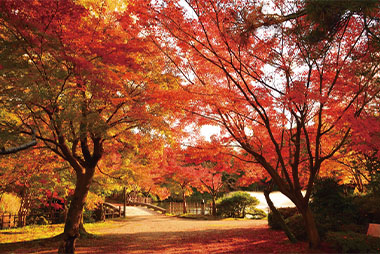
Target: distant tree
213,160
176,170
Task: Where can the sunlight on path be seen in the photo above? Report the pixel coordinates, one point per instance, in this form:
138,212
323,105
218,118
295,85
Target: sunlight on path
135,210
161,223
138,211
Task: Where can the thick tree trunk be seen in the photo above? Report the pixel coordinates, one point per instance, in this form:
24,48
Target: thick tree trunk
277,216
311,228
213,206
74,216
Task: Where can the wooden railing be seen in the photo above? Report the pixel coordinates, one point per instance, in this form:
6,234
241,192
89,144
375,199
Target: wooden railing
145,200
8,220
192,207
111,211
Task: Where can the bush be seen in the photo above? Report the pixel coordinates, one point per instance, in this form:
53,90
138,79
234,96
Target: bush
285,212
331,206
9,203
362,229
293,220
255,213
89,216
235,204
296,225
368,209
350,242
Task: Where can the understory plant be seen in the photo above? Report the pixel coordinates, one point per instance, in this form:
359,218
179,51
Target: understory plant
235,204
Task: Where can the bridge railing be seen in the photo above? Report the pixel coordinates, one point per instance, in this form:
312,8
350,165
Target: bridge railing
110,211
145,200
154,207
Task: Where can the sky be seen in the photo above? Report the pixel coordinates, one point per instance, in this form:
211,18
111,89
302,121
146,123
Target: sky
208,130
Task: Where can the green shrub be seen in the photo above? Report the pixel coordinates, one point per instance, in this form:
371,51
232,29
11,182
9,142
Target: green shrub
331,206
89,216
273,224
255,213
296,225
295,222
9,203
235,204
362,229
350,242
368,209
285,212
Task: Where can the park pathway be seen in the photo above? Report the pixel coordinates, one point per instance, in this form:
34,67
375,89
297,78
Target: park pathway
143,220
145,231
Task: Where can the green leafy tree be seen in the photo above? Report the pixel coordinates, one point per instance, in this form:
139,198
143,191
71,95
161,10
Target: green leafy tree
235,204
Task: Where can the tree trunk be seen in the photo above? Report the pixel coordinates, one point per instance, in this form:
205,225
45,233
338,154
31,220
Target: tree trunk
24,206
74,215
311,228
125,202
213,206
277,216
82,230
184,202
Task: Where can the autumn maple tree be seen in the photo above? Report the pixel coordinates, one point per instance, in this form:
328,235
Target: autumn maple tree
78,78
285,87
31,179
134,165
176,170
212,160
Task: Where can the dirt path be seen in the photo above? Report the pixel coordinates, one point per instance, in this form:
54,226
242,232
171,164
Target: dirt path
160,223
155,233
149,232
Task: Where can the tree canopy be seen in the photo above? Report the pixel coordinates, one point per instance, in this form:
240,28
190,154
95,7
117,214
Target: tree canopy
83,81
287,99
109,88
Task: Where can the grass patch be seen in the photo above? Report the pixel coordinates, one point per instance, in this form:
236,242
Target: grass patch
93,227
30,233
45,237
36,232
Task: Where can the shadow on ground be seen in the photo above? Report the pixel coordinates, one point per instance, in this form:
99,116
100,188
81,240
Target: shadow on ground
244,240
163,234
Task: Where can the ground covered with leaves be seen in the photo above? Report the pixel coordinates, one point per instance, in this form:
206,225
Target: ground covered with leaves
159,234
